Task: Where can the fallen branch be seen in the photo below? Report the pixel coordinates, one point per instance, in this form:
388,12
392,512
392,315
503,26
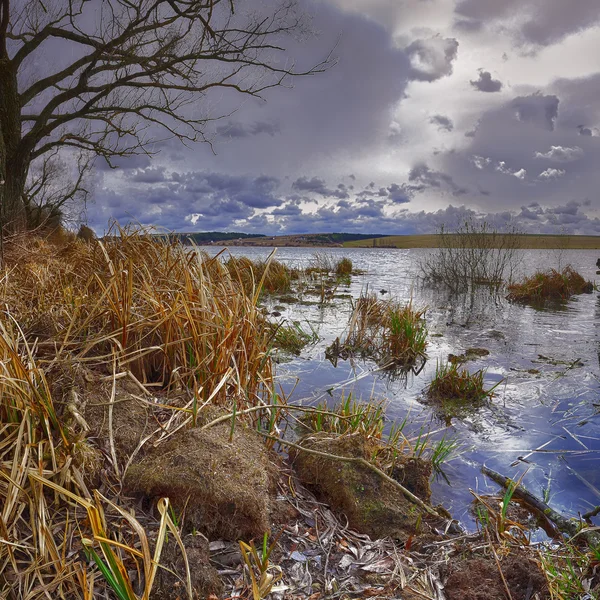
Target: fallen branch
361,461
569,526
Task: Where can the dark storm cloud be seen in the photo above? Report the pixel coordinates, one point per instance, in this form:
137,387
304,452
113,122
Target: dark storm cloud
241,130
399,194
443,123
529,150
485,82
432,58
137,161
468,25
538,109
347,107
580,109
422,177
316,185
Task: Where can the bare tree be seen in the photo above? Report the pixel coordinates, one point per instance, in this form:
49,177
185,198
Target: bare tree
126,69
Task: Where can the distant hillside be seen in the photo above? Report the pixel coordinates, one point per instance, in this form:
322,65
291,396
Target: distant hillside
303,239
526,241
201,238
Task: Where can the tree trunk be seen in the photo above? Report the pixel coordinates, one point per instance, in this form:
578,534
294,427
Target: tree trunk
14,161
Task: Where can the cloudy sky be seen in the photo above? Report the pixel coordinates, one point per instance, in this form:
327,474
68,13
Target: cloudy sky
435,109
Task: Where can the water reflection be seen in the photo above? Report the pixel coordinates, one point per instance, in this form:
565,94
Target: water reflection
545,417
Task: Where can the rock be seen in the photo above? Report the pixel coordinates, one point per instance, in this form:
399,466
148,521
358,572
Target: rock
470,354
170,581
371,504
218,487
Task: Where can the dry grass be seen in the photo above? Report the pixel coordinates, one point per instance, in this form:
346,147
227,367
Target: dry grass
163,312
134,306
272,276
549,285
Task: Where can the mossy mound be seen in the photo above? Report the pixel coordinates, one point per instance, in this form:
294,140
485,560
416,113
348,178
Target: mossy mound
219,487
371,504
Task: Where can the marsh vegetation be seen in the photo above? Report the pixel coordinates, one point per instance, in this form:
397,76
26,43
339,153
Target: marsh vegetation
132,366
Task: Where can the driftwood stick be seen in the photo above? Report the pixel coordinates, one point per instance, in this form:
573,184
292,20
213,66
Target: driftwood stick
569,526
591,513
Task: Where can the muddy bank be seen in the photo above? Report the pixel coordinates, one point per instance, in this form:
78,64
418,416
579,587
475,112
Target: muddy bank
339,528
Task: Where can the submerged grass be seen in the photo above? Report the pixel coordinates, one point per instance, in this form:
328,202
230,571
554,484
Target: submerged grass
293,338
549,285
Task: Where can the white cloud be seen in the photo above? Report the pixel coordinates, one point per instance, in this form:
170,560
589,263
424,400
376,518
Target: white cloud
502,168
549,174
561,153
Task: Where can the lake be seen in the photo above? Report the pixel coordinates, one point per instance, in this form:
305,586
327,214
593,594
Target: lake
544,419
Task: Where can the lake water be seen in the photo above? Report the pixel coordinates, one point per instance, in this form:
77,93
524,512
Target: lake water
547,360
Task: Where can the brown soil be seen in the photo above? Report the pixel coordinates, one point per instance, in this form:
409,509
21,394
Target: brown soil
479,579
372,505
218,487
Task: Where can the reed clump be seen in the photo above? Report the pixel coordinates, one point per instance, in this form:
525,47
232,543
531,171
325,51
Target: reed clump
549,285
293,337
454,387
163,312
343,267
272,276
390,332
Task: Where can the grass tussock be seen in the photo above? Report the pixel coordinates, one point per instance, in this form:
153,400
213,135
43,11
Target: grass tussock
454,383
293,338
385,330
343,266
549,285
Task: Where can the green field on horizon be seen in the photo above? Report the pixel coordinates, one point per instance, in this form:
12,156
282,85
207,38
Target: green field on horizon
527,241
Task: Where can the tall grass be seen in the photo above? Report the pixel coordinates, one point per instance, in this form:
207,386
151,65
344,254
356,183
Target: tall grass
47,512
131,304
168,315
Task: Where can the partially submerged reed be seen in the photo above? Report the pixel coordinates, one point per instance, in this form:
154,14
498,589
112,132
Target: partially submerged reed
549,285
271,276
390,332
453,383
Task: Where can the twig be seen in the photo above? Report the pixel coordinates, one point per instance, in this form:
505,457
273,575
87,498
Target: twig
500,569
591,513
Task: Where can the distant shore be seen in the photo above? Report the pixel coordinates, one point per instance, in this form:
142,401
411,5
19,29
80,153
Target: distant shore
526,241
